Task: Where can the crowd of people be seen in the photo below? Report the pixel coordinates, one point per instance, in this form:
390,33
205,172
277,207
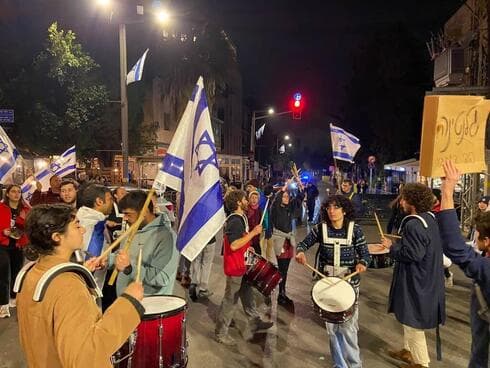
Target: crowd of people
71,225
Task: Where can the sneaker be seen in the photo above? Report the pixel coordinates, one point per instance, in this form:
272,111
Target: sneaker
193,292
404,355
13,303
262,325
204,294
4,311
449,280
225,340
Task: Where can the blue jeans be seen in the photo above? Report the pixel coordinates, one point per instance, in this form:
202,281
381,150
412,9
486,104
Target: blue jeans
480,337
343,343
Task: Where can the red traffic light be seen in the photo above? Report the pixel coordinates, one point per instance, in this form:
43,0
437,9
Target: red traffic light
297,105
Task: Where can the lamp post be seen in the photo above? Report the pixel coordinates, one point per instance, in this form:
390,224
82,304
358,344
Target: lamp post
265,114
162,16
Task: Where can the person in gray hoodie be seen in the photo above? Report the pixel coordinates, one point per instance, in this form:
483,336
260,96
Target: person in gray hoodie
157,240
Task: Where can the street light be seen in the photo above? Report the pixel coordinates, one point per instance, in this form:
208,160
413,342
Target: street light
162,16
270,111
286,137
104,3
290,144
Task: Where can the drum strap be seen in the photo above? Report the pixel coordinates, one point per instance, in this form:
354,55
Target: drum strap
421,219
244,218
342,241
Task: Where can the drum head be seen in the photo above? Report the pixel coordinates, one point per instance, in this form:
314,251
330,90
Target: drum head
377,249
332,294
162,304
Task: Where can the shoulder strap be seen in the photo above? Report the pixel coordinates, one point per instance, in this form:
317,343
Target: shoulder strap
420,218
19,280
243,217
45,280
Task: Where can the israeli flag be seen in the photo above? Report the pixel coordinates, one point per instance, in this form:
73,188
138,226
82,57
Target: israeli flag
259,133
8,158
191,168
344,145
65,164
136,73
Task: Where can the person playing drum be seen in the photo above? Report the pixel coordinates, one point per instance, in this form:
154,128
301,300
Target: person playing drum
237,239
63,326
343,249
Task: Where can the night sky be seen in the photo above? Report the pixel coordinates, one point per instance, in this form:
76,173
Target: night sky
283,46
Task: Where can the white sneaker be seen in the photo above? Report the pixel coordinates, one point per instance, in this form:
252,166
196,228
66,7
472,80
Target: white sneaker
4,311
13,303
449,280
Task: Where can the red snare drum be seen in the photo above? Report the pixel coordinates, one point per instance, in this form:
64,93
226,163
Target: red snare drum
262,275
160,339
380,256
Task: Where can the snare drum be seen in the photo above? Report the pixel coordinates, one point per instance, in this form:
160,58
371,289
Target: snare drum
160,338
261,274
380,256
334,299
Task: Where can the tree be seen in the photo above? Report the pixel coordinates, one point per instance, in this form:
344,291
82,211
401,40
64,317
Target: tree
59,100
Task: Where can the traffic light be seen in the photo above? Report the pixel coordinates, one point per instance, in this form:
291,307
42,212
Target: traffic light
297,105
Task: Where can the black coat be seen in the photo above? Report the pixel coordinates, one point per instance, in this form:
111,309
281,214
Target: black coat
417,290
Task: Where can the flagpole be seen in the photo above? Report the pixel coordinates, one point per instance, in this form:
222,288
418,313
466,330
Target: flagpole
336,177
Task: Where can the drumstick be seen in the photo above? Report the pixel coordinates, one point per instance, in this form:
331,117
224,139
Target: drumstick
138,270
115,243
135,227
319,273
393,236
379,225
345,278
265,210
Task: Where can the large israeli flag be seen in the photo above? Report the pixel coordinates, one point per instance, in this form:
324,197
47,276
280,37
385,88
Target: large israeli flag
136,73
8,158
344,145
191,167
65,164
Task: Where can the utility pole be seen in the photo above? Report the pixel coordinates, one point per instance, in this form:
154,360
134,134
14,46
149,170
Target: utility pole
124,101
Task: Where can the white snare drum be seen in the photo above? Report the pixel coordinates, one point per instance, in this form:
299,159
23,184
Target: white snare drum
334,299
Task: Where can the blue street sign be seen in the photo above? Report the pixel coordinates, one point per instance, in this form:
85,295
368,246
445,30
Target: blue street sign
7,116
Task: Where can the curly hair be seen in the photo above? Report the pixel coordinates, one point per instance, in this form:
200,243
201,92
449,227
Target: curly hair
418,195
42,221
482,224
232,198
342,202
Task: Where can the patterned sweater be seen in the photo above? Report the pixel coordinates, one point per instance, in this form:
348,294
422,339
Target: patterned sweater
350,255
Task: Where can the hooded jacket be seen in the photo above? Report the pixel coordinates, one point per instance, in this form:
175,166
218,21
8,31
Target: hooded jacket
160,258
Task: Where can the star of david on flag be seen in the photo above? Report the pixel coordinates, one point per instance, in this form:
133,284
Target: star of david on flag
8,158
191,168
344,144
65,164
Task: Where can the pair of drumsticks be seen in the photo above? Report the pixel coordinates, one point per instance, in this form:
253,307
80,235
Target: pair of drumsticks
381,230
130,233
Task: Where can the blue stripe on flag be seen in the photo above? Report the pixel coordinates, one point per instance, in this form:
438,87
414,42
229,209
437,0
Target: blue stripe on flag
202,211
4,169
201,106
343,132
43,174
65,169
342,155
97,239
68,152
194,92
173,165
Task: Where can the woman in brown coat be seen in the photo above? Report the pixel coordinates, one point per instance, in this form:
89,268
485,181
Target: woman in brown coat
66,328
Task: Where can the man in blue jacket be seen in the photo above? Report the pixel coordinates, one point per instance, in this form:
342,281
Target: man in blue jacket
474,265
417,289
